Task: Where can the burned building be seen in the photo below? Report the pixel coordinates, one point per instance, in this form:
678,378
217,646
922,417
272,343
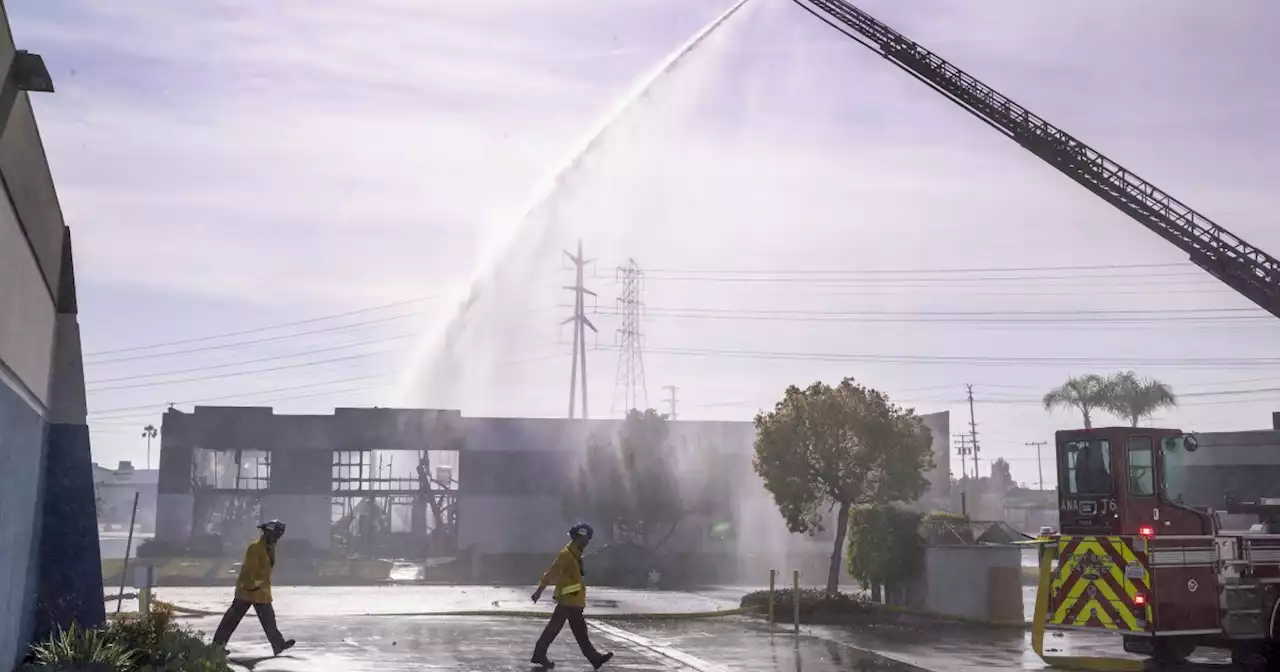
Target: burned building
405,483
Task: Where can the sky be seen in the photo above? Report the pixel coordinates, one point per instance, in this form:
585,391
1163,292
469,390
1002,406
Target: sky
285,204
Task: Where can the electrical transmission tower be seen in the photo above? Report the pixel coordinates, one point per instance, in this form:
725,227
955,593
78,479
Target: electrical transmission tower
580,326
630,379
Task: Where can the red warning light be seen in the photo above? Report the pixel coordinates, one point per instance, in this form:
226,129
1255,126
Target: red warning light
1139,600
1147,531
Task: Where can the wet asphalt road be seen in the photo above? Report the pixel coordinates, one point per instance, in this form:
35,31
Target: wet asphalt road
477,644
366,628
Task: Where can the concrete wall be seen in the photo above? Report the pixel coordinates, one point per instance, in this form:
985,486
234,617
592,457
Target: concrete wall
959,581
50,573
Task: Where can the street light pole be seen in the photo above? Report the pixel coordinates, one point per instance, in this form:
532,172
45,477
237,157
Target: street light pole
149,432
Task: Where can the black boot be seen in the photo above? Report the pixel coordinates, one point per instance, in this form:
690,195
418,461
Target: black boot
284,646
541,661
599,662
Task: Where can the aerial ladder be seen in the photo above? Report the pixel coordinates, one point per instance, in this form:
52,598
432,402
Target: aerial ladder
1157,603
1228,257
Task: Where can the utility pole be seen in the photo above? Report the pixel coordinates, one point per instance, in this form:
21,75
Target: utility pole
149,432
630,375
672,400
973,432
963,451
580,324
1039,464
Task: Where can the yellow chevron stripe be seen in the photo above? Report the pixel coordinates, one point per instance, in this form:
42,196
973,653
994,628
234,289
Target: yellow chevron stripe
1112,548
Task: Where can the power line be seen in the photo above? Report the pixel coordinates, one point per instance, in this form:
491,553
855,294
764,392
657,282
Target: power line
241,395
1180,362
926,280
270,339
989,269
281,325
967,313
214,367
236,374
1038,315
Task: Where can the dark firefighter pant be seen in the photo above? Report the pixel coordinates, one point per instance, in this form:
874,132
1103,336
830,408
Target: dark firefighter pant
231,620
577,624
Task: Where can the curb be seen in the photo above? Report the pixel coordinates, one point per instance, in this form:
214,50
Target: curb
633,616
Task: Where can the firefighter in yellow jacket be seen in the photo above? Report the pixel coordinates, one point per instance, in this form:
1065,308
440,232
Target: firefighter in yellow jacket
253,589
566,574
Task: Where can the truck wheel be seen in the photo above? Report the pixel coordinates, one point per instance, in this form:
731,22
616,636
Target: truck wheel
1249,658
1173,649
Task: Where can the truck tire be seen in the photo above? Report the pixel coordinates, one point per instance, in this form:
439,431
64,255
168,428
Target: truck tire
1173,649
1249,657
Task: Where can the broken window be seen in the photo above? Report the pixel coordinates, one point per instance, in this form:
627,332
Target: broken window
214,469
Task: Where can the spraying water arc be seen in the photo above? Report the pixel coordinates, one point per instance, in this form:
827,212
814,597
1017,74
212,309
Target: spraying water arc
447,331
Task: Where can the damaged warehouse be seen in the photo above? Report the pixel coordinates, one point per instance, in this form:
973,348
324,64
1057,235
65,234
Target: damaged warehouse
485,497
361,493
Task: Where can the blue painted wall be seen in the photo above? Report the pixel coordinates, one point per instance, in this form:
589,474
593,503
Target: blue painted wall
21,464
70,589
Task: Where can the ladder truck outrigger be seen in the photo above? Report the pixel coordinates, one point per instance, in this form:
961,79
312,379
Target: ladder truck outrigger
1129,558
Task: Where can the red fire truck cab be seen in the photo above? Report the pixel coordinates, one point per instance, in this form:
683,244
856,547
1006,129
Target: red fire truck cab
1131,559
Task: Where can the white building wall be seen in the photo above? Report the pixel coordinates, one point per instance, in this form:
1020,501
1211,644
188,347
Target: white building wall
27,312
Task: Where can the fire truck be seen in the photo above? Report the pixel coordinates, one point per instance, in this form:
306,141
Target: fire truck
1129,558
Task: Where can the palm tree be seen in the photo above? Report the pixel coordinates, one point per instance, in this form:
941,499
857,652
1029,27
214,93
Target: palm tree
1085,393
1134,398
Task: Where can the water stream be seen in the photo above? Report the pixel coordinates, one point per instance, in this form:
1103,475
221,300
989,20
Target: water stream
447,359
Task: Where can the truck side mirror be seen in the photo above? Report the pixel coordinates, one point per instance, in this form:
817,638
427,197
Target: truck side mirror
1190,442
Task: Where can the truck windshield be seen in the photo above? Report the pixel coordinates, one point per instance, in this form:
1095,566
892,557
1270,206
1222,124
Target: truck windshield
1086,467
1174,460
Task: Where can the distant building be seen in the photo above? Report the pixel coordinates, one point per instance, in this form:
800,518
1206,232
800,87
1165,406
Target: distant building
115,490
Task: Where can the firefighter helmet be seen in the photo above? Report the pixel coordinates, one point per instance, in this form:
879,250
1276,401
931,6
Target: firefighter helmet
581,530
273,528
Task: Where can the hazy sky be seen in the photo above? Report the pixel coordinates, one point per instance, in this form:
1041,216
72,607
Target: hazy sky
801,205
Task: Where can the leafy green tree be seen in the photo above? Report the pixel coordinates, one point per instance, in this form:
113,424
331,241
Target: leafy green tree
885,547
1084,393
827,447
1134,398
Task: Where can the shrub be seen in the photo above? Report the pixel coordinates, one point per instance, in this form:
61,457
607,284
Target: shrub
80,649
151,642
155,641
816,605
884,545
